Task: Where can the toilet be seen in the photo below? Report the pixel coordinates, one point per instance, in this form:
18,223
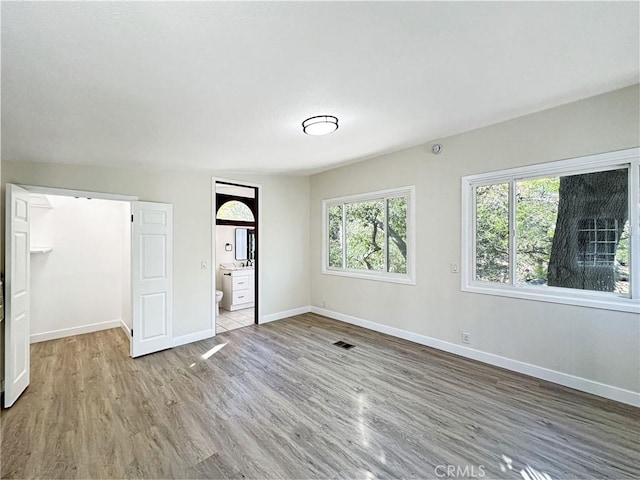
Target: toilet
218,298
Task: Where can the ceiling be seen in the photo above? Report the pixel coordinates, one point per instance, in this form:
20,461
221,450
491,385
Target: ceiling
225,85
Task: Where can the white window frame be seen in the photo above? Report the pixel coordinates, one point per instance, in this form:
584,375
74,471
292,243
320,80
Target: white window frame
404,278
629,158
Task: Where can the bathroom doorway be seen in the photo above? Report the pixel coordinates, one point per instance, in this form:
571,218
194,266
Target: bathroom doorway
236,241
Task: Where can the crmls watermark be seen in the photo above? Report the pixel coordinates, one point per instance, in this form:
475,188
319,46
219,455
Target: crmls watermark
460,471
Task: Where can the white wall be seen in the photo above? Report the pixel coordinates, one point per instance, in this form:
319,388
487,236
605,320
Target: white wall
285,229
225,234
79,285
598,345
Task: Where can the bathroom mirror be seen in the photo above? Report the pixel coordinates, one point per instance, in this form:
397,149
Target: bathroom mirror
245,244
241,244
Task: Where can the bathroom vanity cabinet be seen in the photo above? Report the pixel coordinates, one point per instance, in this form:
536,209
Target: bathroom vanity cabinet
238,289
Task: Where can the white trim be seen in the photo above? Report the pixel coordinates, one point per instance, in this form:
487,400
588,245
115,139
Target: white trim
409,278
634,234
513,245
259,263
377,195
468,254
578,383
126,329
79,193
192,337
376,276
272,317
580,298
69,332
584,164
585,298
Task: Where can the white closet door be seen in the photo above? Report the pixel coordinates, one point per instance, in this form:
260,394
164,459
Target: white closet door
152,277
16,329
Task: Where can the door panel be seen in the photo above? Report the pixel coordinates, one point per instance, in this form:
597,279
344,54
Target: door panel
153,258
17,349
152,277
154,315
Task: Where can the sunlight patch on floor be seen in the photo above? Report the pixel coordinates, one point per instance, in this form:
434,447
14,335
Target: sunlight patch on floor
215,349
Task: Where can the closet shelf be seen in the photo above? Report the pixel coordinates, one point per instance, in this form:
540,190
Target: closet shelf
39,200
40,249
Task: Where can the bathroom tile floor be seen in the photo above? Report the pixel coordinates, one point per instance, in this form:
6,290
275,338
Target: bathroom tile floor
231,320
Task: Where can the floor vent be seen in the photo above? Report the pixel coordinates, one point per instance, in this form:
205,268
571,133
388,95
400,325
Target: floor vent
344,345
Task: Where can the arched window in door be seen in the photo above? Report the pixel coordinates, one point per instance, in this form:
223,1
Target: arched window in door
235,210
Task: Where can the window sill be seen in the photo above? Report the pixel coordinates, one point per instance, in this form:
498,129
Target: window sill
545,294
378,277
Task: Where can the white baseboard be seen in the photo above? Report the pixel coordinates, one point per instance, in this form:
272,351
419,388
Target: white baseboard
272,317
193,337
68,332
585,385
126,328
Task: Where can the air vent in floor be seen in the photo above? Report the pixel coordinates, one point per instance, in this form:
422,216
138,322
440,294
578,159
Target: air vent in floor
344,345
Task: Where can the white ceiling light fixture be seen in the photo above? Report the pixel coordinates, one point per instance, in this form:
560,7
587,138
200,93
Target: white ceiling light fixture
320,125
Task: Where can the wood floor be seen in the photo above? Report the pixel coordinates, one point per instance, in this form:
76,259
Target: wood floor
280,401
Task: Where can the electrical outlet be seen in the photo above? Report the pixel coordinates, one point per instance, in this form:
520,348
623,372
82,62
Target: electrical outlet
324,304
466,337
454,268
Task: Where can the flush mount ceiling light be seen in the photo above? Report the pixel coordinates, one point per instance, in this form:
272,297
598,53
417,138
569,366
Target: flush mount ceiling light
320,125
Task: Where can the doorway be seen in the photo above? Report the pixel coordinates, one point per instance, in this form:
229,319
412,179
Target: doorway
143,236
236,259
80,266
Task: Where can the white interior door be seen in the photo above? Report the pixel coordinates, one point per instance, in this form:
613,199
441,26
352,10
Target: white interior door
152,277
16,328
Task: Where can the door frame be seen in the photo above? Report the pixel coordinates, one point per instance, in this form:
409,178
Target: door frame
258,277
78,193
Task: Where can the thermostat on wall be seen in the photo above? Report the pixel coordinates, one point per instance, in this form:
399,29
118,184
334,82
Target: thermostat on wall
436,148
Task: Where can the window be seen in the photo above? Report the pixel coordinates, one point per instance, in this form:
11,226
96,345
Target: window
235,210
558,232
370,236
598,241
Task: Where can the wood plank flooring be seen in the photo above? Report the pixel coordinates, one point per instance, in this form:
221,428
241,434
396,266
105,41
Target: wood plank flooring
280,401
